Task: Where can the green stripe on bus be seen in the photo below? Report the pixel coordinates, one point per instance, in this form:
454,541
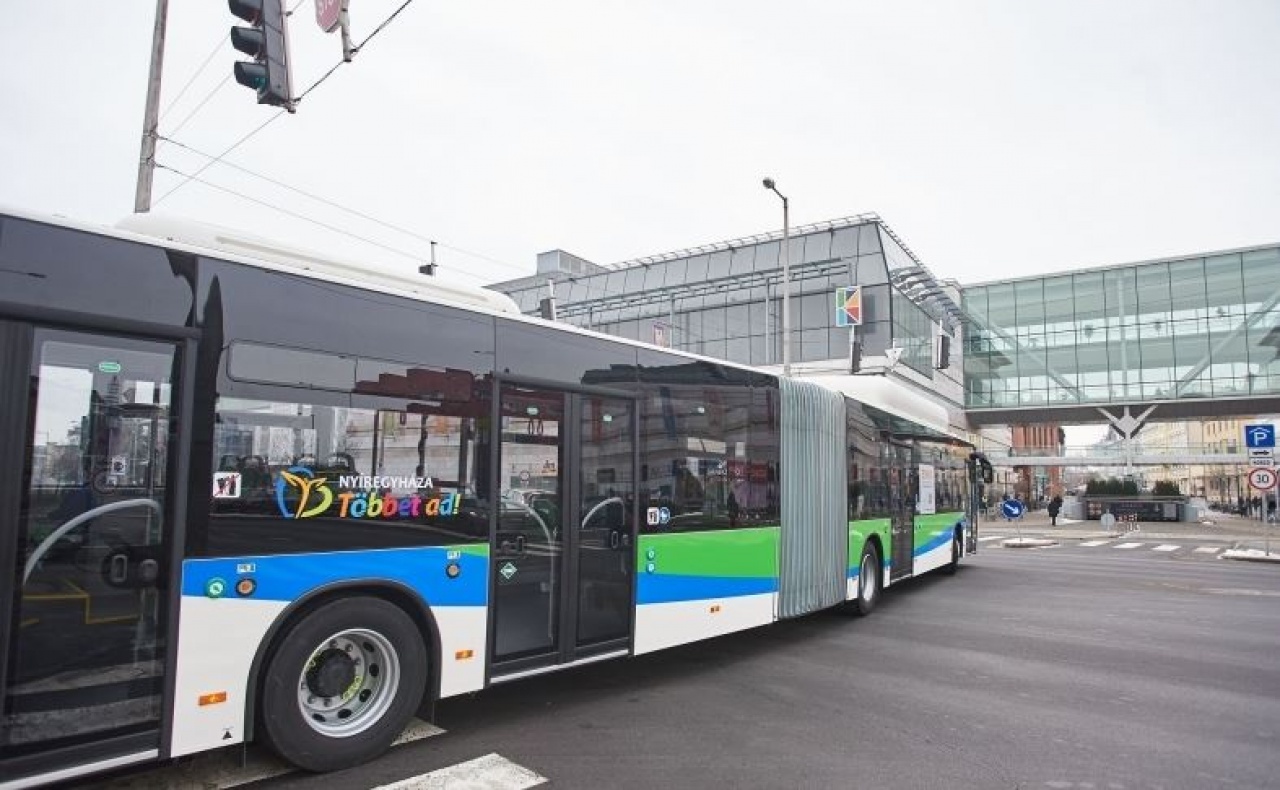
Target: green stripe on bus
728,552
862,529
928,526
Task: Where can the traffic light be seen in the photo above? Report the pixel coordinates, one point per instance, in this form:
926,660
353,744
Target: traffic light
264,41
985,472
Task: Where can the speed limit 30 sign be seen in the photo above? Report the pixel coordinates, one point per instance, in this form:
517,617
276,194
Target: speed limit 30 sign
1262,479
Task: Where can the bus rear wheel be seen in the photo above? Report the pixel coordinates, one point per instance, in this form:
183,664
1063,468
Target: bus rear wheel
342,684
956,551
869,585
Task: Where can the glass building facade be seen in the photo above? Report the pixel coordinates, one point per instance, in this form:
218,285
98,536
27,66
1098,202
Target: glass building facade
1164,331
724,300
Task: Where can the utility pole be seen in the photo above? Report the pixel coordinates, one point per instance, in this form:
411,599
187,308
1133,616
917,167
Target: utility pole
151,116
786,276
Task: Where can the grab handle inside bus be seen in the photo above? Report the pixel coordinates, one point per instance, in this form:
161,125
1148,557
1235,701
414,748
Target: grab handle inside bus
88,515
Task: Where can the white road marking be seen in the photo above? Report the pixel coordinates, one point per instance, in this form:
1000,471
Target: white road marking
1095,543
491,772
1208,549
990,537
1166,547
1126,545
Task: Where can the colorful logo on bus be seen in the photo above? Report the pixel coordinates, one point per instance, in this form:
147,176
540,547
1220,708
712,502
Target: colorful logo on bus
308,488
300,494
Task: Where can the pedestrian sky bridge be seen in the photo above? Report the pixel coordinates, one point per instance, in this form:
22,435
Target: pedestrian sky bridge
1193,337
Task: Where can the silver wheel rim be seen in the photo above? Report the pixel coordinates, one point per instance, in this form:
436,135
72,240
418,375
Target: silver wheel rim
366,670
867,578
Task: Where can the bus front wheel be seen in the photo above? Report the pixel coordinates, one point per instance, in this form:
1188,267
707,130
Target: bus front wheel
342,684
869,585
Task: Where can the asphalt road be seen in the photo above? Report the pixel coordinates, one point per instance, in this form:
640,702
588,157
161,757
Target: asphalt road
1055,668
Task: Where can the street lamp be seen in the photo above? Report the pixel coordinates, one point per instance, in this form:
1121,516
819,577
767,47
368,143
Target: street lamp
786,277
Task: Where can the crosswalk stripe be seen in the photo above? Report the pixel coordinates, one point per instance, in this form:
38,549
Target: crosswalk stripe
1208,549
990,537
1126,546
1166,547
491,772
1095,543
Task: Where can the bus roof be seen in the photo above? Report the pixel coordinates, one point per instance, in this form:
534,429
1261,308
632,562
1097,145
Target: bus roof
193,236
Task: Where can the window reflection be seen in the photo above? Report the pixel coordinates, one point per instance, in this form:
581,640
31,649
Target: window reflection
409,468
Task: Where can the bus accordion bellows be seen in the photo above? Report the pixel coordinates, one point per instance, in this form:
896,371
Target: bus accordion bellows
256,495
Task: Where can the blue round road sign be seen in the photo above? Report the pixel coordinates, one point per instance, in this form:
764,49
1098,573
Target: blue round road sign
1011,508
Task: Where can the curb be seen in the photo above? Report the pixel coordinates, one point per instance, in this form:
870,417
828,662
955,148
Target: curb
1031,543
1249,555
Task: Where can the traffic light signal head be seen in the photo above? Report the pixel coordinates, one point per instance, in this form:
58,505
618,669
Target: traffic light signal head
264,41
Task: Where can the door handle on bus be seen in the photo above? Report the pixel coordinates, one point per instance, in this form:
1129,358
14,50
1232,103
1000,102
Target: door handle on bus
118,572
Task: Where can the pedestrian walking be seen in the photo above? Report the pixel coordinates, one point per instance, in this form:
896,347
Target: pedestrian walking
1055,507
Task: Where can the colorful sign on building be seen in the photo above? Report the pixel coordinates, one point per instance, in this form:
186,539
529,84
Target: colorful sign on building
849,306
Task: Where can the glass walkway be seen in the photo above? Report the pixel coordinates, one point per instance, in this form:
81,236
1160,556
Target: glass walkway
1192,336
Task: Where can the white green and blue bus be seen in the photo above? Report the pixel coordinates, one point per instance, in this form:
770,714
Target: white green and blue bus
255,495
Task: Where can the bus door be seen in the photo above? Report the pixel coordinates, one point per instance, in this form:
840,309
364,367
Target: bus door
86,427
901,510
563,551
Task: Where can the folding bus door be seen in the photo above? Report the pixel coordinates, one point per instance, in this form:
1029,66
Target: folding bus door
897,459
84,540
563,552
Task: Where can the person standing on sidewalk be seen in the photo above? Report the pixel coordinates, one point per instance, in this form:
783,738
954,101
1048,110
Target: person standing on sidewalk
1055,507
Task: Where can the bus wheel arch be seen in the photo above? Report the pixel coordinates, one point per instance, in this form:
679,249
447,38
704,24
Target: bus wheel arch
403,624
957,550
870,566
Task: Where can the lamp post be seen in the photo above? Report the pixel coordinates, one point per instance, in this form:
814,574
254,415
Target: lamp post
786,277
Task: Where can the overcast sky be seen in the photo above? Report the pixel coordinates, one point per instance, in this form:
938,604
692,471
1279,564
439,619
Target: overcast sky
994,137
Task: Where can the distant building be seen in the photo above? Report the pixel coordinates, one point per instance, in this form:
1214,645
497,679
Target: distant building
725,300
1036,483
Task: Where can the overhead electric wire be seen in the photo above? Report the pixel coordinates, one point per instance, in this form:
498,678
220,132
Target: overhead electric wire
198,107
340,207
189,178
192,80
304,218
264,125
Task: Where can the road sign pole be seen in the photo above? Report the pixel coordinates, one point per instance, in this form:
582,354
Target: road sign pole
1266,481
1267,524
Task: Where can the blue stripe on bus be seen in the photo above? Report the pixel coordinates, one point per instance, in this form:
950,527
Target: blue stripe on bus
290,577
937,541
669,588
941,539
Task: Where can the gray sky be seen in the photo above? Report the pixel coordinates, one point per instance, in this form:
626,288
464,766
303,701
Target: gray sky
995,137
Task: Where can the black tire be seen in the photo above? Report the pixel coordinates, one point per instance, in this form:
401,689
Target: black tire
342,683
870,582
957,550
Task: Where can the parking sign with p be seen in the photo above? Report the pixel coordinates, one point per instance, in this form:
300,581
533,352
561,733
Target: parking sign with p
1259,436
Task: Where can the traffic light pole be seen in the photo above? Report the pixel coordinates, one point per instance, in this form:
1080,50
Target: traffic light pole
151,116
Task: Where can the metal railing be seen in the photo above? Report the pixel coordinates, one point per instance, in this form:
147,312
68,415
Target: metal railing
1118,455
1118,450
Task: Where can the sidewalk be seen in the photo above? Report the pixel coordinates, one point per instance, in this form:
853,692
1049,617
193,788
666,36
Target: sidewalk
1247,535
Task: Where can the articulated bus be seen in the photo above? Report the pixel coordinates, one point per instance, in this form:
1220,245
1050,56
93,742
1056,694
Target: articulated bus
255,495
